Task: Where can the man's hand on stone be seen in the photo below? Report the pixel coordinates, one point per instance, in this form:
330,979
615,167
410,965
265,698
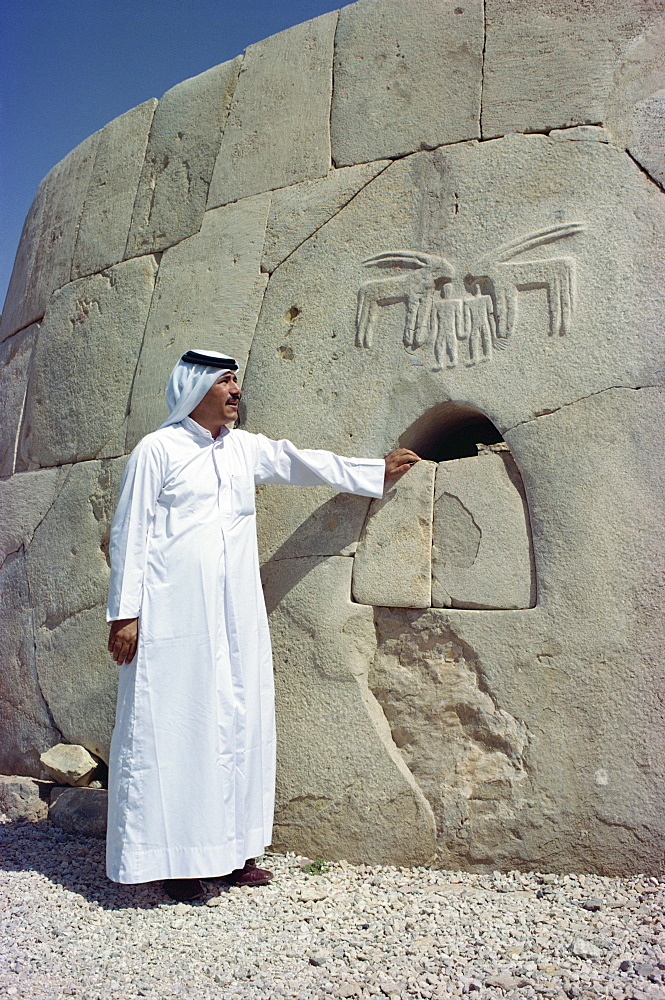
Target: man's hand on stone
400,461
123,639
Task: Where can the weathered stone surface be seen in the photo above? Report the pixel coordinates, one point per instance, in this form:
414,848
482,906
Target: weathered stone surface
518,786
107,210
182,148
636,107
481,554
277,132
24,500
393,563
69,764
81,811
15,356
312,522
26,725
552,64
348,795
44,258
81,699
24,798
208,294
84,363
68,570
555,348
298,211
407,77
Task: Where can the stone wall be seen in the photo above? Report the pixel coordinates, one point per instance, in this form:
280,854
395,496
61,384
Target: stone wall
411,221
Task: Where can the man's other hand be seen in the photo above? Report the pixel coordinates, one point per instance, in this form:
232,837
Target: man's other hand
123,639
400,461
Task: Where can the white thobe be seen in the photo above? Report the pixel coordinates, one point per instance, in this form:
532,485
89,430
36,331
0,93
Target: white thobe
192,766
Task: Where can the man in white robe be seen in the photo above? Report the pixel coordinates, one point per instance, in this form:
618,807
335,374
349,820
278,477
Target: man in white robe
192,767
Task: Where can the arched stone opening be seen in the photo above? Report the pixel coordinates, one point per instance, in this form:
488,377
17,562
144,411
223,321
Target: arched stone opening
457,525
449,431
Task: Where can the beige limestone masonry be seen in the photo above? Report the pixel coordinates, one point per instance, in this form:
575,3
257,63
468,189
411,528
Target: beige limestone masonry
183,145
384,278
44,259
407,76
84,364
208,294
107,210
277,132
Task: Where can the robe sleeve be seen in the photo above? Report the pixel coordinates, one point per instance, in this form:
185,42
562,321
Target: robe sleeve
140,488
282,462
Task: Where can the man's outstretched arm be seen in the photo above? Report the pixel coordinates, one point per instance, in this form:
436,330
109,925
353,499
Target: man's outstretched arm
123,639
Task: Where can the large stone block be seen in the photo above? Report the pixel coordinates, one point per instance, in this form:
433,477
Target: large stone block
44,258
343,790
481,554
552,64
26,725
182,148
84,363
24,501
636,106
564,308
393,563
298,211
68,570
208,294
109,201
278,129
81,698
308,521
15,356
408,76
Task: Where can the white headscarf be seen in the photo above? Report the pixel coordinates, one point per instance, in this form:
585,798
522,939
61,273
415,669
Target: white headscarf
188,384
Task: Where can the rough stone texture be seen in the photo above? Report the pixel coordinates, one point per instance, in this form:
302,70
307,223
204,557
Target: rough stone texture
277,132
511,282
24,500
393,563
68,578
24,798
551,64
407,77
84,363
69,764
348,795
182,148
81,811
313,522
26,725
636,107
298,211
107,211
44,258
481,554
208,294
15,356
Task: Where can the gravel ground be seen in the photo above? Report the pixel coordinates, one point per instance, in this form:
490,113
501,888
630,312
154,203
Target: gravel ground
351,931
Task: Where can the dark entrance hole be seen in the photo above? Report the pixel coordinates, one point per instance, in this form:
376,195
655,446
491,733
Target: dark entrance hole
448,431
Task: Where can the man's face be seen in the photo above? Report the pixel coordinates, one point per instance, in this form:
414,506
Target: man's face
223,398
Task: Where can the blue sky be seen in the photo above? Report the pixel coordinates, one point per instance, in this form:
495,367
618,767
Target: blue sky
67,67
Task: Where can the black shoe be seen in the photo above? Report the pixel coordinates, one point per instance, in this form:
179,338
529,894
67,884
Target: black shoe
184,890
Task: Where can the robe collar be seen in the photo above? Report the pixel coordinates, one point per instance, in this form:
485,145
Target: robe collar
202,432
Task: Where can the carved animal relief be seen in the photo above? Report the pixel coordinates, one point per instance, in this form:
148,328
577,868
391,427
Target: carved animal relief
465,317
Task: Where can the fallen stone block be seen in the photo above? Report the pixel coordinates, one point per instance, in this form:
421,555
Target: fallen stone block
81,811
69,764
24,798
